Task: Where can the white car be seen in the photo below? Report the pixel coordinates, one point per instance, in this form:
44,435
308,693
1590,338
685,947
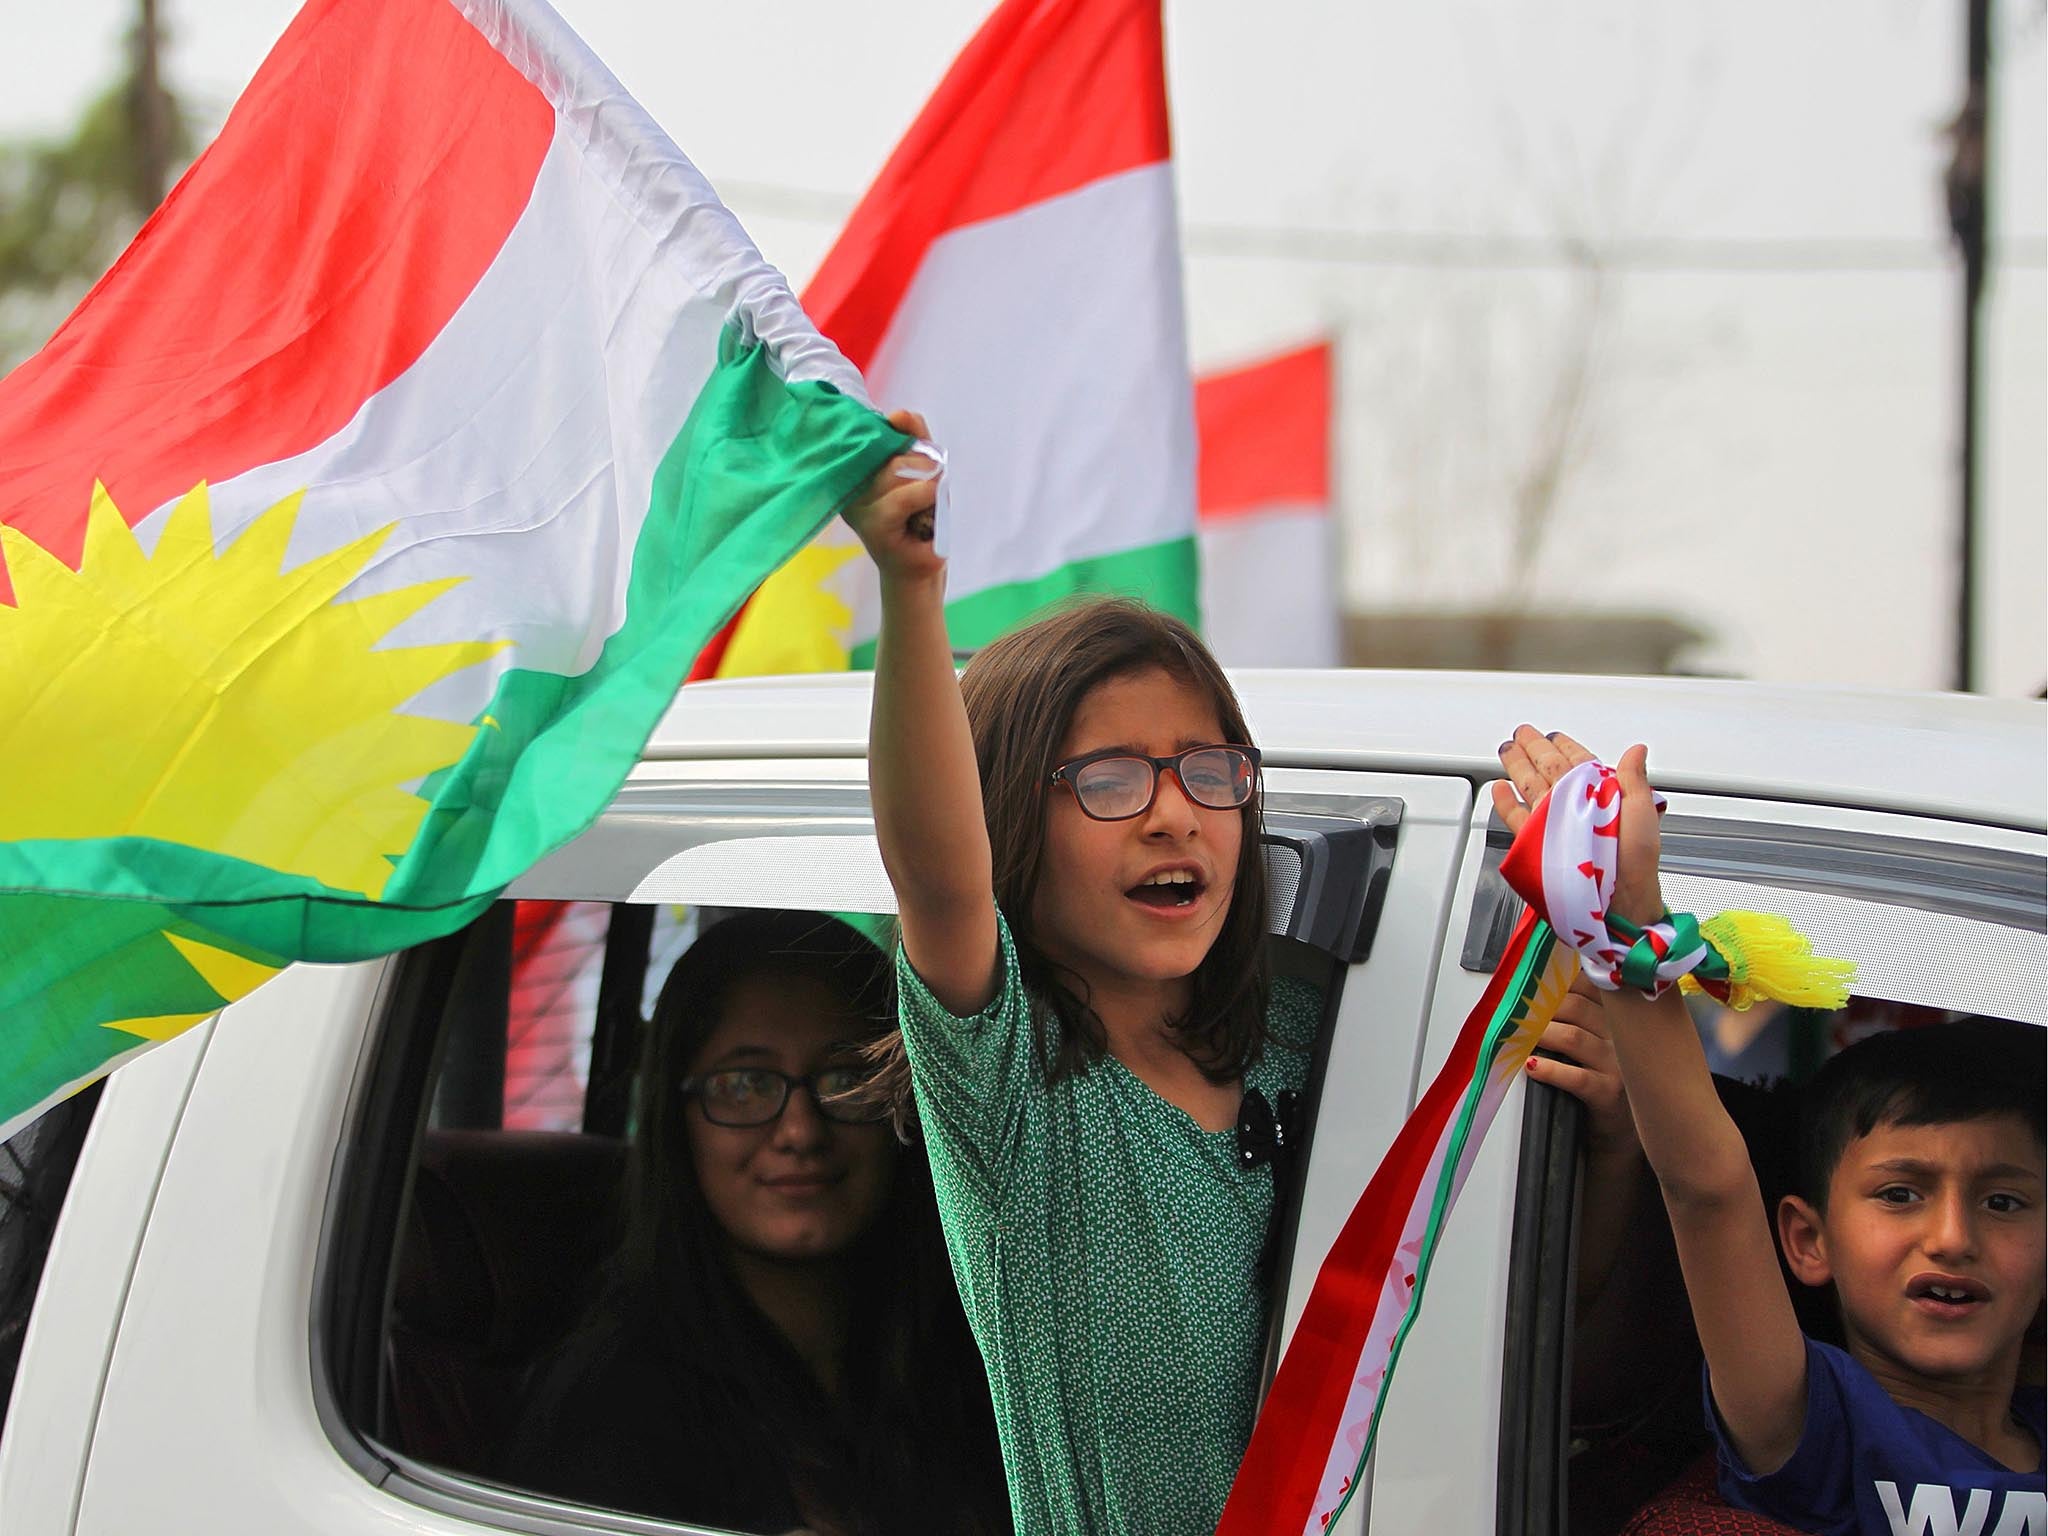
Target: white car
235,1332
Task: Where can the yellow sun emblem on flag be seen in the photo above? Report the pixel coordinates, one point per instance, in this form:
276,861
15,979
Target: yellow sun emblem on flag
232,976
795,622
214,699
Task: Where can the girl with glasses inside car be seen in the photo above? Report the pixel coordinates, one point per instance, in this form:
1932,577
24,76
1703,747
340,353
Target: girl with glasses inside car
1072,830
778,1346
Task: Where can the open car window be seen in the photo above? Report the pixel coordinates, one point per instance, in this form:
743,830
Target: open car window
1600,1409
485,1201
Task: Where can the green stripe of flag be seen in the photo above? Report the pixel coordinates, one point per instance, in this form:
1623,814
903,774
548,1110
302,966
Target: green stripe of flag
1163,575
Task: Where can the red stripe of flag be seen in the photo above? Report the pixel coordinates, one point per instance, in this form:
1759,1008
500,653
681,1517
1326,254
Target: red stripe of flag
349,206
1018,119
1264,432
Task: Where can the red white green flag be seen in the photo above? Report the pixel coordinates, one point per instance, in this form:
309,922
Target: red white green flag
1269,578
1014,272
1316,1429
360,523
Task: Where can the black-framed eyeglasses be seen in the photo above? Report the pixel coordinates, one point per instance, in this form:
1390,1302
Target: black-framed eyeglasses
745,1096
1115,785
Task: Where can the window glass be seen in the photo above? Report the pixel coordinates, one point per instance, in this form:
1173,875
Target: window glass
1638,1438
623,1308
557,965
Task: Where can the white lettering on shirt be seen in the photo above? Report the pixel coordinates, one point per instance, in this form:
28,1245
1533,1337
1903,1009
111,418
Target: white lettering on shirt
1933,1512
2025,1514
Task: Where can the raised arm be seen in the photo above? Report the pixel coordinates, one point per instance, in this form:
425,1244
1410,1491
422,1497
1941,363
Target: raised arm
921,769
1756,1356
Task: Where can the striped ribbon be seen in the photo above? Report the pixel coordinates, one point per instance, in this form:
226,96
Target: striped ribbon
1316,1430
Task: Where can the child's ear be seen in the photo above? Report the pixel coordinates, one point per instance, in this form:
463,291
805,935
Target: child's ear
1804,1243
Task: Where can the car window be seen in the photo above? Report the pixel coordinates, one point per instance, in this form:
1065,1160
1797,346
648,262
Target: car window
526,1357
1905,899
479,1334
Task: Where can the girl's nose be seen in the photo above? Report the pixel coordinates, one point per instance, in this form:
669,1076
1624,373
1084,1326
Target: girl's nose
800,1124
1171,810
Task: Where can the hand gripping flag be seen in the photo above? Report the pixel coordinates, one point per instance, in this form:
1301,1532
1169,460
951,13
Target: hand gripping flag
360,523
1316,1429
1015,273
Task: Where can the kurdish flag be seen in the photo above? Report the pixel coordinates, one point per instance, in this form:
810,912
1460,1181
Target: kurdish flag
1316,1429
1014,272
361,522
1268,558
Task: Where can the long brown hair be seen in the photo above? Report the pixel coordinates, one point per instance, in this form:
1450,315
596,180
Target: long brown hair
1022,693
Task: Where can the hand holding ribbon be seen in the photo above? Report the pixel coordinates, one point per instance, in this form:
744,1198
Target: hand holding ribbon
1586,850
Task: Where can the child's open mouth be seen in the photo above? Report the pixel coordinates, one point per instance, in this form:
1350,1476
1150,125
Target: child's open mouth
1946,1297
1167,889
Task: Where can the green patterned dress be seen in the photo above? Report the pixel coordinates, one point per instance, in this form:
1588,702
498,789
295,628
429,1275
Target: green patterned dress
1107,1249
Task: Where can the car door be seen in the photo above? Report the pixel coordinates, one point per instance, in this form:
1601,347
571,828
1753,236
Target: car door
249,1378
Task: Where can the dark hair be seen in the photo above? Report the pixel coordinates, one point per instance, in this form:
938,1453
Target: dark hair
1936,1074
1022,692
913,1432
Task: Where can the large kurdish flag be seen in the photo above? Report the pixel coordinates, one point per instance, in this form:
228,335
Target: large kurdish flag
1014,272
359,525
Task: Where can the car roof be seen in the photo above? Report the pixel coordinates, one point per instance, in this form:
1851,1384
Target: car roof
1952,755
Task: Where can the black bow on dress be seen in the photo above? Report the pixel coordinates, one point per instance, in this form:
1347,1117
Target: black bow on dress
1264,1136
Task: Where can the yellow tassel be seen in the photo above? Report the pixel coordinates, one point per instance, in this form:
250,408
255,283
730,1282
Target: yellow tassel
1769,958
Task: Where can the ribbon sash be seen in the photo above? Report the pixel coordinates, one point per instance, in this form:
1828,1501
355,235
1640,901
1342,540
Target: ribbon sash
1316,1430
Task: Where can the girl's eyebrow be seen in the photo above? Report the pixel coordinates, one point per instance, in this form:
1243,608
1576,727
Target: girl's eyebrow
1132,749
738,1052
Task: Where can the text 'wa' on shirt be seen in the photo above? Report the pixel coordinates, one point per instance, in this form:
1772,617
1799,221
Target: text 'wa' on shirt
1107,1248
1868,1466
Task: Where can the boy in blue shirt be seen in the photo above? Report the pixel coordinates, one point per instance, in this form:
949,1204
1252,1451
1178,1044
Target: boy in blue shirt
1921,1204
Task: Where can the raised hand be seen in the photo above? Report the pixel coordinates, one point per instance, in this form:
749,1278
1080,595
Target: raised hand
893,515
1534,762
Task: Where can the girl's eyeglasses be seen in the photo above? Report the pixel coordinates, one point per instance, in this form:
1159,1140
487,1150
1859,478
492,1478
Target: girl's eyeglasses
1115,785
740,1096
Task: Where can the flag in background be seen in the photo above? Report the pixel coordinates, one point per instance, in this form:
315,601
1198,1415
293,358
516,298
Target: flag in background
359,524
557,970
1014,273
1269,582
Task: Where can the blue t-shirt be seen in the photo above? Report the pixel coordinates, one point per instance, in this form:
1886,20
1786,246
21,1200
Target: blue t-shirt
1868,1466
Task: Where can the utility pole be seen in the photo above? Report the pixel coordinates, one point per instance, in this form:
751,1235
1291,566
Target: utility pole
149,113
1968,189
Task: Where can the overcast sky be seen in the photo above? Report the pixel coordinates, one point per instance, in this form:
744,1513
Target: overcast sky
1773,331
